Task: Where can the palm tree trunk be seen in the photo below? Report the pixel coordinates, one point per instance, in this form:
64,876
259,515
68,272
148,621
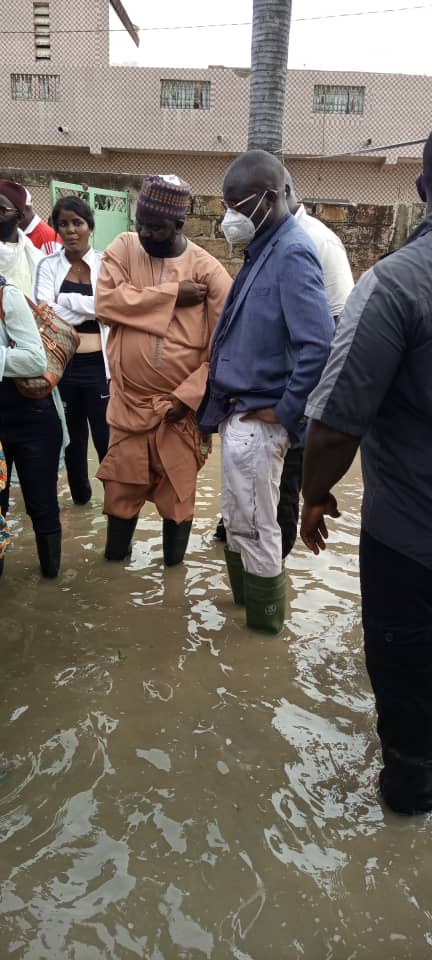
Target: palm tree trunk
270,36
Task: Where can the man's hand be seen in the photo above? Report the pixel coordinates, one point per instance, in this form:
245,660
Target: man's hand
267,415
178,411
313,530
190,293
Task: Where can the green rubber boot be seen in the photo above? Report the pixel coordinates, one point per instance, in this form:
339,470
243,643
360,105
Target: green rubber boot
235,574
265,602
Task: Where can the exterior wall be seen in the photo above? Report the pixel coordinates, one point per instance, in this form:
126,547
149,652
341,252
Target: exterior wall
358,181
368,231
115,124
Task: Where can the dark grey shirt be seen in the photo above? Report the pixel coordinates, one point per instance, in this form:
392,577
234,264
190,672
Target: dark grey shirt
377,385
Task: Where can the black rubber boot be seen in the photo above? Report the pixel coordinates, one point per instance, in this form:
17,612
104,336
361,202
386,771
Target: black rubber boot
236,575
49,553
1,566
220,532
175,538
119,538
82,498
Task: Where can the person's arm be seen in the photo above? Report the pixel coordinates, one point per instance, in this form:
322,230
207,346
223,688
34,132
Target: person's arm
117,301
71,307
327,457
190,393
43,282
311,328
77,304
27,358
218,284
338,279
365,357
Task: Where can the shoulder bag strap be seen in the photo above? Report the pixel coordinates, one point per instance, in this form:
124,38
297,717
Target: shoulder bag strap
39,310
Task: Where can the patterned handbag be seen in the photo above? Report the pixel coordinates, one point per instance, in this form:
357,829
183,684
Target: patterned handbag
60,342
4,529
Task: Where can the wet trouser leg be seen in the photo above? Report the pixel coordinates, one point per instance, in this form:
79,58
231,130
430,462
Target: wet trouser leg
85,394
397,621
97,397
252,461
76,455
288,508
34,447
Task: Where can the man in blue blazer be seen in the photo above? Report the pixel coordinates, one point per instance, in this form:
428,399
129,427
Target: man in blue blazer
269,349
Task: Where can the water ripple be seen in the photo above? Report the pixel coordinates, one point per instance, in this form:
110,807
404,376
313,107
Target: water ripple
173,786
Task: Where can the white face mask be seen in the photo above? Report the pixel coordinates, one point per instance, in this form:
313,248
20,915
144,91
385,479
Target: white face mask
237,227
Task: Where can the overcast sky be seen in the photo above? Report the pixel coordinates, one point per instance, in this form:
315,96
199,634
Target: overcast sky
396,42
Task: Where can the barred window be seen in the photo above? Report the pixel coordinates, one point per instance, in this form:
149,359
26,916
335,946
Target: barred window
185,94
35,86
41,28
329,99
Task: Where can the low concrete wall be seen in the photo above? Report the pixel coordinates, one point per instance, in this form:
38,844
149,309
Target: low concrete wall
368,231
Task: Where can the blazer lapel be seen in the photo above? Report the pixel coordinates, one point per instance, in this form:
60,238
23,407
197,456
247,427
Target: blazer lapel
251,277
222,326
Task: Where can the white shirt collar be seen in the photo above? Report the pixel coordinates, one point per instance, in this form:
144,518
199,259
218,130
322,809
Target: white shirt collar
32,225
300,214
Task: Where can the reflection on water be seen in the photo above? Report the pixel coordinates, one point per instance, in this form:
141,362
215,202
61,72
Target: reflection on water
174,786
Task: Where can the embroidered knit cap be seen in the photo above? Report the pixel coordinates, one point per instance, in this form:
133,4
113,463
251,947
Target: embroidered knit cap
165,196
14,192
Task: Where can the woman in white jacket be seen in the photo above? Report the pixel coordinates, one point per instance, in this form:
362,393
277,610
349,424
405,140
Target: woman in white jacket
67,281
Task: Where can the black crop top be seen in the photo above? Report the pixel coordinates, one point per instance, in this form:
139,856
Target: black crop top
86,290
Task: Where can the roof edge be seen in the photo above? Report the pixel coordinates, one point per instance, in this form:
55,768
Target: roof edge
124,18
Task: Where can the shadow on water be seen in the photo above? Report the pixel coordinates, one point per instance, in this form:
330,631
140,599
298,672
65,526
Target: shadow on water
173,786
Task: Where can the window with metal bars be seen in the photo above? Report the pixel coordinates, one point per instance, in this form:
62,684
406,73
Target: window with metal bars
41,29
330,99
185,94
35,86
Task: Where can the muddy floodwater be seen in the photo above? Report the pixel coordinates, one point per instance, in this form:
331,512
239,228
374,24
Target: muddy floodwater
173,786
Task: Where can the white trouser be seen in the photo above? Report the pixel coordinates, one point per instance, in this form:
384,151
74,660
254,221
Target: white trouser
252,460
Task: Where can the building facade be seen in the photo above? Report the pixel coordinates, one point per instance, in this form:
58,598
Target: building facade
67,114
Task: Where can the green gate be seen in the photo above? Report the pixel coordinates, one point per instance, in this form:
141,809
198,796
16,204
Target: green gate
110,209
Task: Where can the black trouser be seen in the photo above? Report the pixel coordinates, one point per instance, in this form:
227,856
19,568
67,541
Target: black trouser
31,435
85,392
397,621
288,509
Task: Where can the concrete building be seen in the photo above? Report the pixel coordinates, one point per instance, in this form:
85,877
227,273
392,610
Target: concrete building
68,115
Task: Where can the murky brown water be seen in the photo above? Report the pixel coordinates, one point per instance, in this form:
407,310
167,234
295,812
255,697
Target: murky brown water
174,786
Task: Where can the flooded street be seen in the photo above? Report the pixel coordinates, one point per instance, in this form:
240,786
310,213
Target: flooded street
174,786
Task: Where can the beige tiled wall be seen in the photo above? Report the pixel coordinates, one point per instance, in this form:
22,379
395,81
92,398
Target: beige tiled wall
115,124
358,181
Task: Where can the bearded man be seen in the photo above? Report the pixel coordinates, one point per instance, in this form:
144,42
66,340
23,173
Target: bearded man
18,256
162,296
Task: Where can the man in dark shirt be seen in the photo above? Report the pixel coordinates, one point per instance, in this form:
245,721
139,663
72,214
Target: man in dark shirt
376,390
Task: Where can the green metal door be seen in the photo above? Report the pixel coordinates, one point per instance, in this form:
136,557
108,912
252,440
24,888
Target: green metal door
110,209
